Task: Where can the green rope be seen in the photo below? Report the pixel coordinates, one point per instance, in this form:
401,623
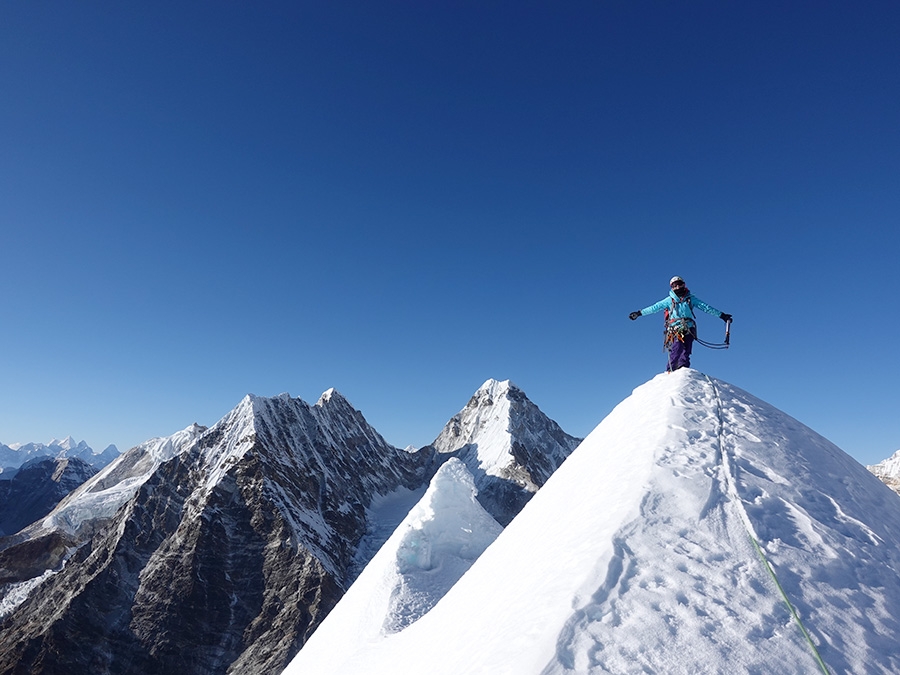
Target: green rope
759,550
790,605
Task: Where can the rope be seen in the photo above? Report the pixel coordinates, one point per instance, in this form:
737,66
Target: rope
732,489
674,330
712,345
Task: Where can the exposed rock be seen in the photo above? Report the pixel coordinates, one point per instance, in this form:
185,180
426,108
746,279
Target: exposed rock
36,488
227,556
508,444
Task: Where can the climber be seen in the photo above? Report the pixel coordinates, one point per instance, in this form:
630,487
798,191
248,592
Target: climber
681,324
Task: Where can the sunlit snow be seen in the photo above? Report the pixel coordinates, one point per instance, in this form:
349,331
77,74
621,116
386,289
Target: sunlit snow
889,471
102,495
696,530
487,431
440,538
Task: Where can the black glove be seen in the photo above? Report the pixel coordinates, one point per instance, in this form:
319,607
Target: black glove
725,317
634,315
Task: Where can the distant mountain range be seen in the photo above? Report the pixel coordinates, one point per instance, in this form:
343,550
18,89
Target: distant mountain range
35,477
224,548
14,456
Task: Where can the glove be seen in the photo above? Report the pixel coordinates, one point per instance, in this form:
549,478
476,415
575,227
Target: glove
634,315
725,317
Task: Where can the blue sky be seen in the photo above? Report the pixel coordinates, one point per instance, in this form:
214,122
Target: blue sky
401,200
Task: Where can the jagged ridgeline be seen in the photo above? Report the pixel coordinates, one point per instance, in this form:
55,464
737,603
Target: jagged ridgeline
222,549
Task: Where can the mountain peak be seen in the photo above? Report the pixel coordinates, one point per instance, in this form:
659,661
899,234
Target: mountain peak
888,471
497,387
246,533
695,526
68,443
330,395
508,445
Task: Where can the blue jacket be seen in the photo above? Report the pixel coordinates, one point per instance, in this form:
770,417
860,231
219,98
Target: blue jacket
680,309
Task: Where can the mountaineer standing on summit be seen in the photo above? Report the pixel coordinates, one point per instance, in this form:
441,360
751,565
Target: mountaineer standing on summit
681,324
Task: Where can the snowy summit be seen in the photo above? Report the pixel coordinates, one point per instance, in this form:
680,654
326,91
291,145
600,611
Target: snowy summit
696,530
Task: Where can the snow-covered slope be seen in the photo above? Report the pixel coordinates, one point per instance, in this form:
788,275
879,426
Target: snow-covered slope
36,488
101,496
696,530
430,550
888,471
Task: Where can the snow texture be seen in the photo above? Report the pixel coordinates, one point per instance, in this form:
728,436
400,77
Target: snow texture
696,530
427,554
101,496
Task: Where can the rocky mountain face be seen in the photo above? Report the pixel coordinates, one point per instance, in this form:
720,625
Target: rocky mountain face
45,545
36,488
508,444
888,471
220,550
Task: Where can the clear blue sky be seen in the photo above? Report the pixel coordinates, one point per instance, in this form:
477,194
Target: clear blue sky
403,199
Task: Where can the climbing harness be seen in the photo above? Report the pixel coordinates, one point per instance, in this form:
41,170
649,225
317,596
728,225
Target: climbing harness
745,519
678,328
675,327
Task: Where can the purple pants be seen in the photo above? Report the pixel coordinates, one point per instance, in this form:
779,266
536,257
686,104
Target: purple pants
680,352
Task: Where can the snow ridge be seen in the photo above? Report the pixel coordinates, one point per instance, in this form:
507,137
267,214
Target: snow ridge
429,551
635,555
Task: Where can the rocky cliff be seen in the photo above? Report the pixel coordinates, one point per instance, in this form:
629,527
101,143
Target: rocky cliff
38,486
227,555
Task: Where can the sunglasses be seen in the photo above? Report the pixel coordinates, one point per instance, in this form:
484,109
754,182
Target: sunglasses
678,284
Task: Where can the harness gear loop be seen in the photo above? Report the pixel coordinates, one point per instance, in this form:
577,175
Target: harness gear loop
676,327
